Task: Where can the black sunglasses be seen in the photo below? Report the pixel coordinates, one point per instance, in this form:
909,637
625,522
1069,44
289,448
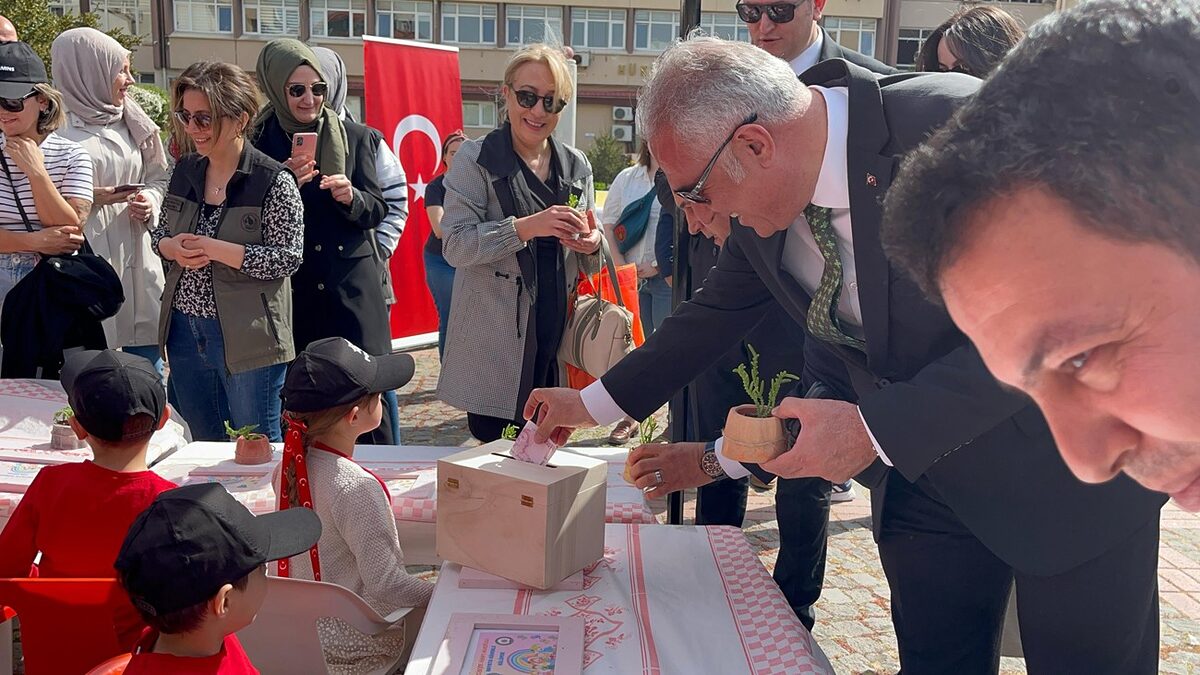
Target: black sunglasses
203,120
297,90
528,99
780,12
15,105
692,194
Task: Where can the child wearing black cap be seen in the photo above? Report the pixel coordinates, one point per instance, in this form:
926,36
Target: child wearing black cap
331,396
194,564
119,402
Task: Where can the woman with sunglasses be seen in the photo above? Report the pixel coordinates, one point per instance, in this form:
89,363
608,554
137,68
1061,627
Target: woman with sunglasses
231,231
972,41
516,245
45,179
130,172
338,290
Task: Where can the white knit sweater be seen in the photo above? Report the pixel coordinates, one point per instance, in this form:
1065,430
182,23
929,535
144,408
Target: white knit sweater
359,548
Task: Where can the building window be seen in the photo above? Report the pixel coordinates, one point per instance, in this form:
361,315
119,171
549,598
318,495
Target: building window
856,34
909,46
725,26
338,18
654,31
527,23
131,16
598,28
146,78
271,17
479,114
63,7
204,16
468,24
404,20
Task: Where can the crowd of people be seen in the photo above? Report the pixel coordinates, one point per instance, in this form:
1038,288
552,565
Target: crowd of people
981,312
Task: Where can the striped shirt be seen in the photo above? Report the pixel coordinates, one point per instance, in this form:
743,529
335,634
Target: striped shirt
70,170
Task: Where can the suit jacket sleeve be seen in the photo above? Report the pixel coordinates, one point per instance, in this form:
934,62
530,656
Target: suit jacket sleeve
664,243
952,400
732,302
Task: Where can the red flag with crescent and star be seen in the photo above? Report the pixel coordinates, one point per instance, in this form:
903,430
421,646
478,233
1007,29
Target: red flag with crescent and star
413,95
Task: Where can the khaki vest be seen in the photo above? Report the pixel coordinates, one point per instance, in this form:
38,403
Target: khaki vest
255,314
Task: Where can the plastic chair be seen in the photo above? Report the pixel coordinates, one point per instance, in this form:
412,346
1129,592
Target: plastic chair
283,637
67,625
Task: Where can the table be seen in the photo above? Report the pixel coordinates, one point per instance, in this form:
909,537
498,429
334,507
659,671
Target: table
409,471
664,599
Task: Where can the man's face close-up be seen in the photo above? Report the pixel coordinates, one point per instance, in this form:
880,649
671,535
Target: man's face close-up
1103,334
784,40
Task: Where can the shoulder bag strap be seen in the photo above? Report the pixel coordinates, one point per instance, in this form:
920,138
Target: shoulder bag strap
606,257
85,248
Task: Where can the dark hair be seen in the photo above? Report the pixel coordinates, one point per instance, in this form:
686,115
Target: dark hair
644,157
1098,106
451,139
184,620
979,37
134,430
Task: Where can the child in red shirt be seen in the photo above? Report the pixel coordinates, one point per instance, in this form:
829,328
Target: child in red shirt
77,515
194,565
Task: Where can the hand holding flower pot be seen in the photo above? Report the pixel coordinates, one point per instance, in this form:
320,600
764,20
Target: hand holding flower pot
646,436
752,435
250,448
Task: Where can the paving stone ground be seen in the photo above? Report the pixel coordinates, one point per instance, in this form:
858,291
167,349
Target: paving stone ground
853,621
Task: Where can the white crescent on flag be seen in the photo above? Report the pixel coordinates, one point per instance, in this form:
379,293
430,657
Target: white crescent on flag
422,124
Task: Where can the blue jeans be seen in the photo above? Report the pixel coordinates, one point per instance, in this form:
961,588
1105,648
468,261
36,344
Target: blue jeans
13,268
148,352
654,301
208,395
393,404
440,277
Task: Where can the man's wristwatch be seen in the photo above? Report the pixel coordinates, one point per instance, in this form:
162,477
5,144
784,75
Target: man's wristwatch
709,463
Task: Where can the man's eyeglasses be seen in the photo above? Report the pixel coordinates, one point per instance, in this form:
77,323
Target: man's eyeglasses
692,194
203,120
528,99
779,12
297,90
16,105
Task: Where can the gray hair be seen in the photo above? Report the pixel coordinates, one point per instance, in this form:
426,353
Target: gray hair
701,88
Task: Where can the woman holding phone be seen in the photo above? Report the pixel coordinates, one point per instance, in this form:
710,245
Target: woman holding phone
337,289
130,172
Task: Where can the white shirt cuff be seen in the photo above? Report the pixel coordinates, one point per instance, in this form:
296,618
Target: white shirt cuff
878,450
600,405
732,468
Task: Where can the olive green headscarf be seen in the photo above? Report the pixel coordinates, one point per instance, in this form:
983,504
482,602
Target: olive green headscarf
278,59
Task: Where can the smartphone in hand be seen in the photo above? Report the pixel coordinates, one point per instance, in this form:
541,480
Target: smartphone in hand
129,187
304,146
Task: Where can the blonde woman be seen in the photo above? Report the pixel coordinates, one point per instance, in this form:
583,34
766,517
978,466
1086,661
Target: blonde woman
512,238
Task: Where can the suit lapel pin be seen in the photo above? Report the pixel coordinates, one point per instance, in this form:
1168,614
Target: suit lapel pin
872,180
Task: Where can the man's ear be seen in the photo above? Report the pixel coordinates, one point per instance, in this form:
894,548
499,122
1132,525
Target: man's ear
219,604
80,432
818,9
753,145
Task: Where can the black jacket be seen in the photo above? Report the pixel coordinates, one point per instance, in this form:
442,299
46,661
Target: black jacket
337,291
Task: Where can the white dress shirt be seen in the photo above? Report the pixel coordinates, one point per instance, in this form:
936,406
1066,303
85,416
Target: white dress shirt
801,259
811,55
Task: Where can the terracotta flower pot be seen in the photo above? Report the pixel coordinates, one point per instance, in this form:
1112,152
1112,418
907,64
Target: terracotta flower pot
753,439
62,437
254,450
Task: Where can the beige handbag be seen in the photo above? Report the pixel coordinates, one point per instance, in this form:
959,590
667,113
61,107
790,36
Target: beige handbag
598,333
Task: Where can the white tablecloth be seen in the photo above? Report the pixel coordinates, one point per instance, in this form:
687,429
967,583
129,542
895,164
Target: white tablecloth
663,600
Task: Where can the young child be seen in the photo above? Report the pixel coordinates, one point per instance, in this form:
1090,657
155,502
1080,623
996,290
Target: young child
76,515
194,565
331,395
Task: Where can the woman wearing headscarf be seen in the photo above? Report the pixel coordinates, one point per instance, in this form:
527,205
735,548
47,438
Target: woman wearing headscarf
130,172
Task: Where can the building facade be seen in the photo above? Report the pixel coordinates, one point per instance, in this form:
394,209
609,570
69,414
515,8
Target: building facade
616,40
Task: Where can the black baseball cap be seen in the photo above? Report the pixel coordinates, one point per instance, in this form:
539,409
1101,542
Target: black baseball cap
20,69
107,387
194,539
333,372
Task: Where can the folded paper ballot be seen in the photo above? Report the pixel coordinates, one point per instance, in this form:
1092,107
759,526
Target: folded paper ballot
526,449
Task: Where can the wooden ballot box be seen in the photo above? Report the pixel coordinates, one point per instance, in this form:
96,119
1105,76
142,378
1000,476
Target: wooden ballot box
533,524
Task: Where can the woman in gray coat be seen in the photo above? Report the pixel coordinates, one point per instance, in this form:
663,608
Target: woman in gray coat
516,246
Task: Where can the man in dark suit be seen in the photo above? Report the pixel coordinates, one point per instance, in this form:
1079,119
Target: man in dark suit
968,490
790,31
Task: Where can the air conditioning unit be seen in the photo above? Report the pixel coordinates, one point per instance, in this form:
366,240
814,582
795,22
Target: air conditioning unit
622,114
623,132
583,59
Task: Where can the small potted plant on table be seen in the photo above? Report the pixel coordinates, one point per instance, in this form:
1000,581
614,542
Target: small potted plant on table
62,436
251,447
751,433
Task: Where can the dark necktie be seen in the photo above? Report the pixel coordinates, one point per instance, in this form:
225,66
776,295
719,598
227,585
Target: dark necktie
822,312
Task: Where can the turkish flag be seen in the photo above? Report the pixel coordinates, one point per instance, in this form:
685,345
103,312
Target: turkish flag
413,95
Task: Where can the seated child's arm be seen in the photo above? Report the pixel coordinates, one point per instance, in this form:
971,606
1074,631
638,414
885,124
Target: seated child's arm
365,520
18,541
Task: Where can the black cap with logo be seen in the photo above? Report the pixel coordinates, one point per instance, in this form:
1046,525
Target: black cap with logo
20,69
107,387
332,372
194,539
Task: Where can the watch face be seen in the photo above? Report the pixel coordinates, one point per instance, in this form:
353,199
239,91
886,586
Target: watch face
711,465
